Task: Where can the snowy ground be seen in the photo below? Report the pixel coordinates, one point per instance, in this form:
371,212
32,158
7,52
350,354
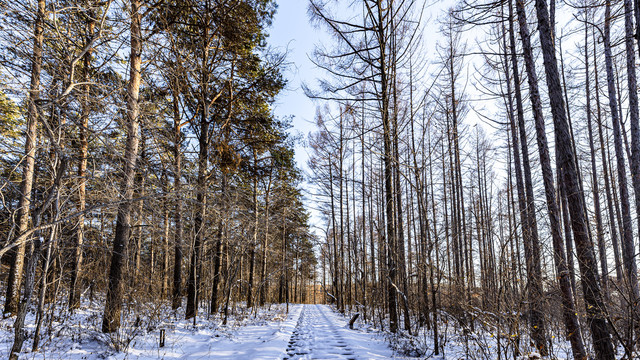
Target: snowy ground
306,332
322,334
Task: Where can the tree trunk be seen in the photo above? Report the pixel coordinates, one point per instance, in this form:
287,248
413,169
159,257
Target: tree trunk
165,235
594,173
177,188
532,247
217,257
594,301
388,171
113,305
252,259
627,227
265,243
605,170
26,185
628,247
75,285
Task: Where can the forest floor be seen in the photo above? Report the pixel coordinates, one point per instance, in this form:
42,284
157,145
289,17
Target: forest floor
305,332
274,332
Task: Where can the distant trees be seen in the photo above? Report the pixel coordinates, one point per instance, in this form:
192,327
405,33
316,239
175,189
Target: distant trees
364,66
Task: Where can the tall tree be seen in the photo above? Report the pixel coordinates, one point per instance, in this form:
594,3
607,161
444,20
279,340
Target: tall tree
532,249
113,305
26,185
594,301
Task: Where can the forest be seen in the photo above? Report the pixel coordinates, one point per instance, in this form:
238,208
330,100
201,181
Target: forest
471,191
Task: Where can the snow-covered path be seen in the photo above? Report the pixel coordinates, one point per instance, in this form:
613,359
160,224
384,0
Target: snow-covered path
265,341
310,332
322,334
306,332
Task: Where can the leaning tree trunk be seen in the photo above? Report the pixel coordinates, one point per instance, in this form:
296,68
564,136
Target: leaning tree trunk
113,305
594,302
627,226
532,248
31,142
630,252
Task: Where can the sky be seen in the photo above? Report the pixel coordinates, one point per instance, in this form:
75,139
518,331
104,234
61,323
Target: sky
292,32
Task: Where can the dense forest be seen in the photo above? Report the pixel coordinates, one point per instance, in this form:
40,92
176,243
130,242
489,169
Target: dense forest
474,172
485,181
141,161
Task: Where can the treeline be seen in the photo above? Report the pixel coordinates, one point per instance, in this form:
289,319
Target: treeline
495,185
141,160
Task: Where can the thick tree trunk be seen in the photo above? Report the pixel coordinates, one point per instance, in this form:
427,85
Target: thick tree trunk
532,248
594,302
628,247
113,305
75,285
26,185
177,188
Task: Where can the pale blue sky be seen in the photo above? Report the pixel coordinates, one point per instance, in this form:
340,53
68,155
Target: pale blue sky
291,31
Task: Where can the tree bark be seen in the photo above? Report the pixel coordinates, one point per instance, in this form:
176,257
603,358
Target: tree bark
26,185
75,286
594,173
177,188
252,259
594,302
605,170
113,305
628,247
532,248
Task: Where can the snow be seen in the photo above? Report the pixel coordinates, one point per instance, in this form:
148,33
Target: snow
305,332
323,334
